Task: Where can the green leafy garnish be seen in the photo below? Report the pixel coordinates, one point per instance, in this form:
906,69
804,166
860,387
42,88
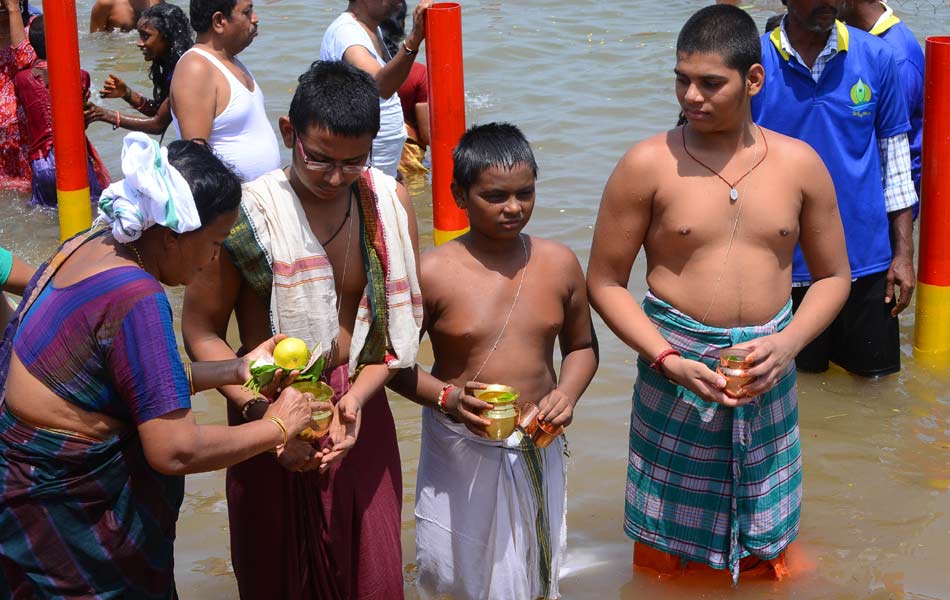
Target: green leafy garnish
263,370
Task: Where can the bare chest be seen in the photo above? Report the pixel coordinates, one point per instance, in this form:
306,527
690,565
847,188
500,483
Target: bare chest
687,217
478,313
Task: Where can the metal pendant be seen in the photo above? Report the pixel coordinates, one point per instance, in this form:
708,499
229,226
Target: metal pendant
733,194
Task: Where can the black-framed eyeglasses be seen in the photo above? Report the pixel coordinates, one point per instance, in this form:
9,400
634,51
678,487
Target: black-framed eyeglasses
326,167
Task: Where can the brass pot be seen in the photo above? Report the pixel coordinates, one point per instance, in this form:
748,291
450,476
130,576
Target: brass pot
503,414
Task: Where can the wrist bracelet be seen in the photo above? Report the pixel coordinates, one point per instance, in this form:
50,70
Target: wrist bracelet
141,104
657,365
118,121
407,49
443,398
191,380
251,402
280,424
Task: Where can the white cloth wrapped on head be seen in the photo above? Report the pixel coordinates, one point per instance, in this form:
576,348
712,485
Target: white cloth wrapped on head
152,192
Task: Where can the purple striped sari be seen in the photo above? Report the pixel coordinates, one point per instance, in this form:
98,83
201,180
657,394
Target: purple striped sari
83,517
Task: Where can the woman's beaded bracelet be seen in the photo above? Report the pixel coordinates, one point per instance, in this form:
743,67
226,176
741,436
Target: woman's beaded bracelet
443,398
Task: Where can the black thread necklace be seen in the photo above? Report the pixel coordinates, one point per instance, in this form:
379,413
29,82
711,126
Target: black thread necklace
346,217
733,192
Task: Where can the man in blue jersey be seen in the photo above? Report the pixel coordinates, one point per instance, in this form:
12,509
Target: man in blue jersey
877,18
838,89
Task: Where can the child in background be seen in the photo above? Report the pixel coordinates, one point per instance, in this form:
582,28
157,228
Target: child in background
32,91
497,302
164,36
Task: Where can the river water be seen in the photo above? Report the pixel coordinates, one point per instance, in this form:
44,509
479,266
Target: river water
585,80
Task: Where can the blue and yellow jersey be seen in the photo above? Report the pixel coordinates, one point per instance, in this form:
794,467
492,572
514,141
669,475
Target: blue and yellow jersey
856,101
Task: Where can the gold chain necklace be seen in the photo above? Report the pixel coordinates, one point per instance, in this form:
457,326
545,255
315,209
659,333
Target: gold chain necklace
524,274
135,251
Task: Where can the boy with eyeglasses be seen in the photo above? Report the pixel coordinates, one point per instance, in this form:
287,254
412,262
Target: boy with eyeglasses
325,250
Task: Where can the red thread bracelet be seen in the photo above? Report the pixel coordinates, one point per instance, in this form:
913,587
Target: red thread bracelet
657,365
443,398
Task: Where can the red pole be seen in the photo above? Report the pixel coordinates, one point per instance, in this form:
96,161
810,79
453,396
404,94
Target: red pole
69,133
446,112
932,323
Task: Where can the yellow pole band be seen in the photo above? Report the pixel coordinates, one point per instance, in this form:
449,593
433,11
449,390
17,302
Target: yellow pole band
444,236
75,212
932,326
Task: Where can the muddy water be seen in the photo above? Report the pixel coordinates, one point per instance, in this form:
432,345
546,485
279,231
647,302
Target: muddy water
585,80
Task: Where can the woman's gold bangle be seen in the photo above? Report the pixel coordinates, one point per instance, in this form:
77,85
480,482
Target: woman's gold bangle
191,380
280,424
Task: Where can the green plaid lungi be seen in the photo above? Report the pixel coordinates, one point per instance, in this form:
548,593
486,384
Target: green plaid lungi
706,482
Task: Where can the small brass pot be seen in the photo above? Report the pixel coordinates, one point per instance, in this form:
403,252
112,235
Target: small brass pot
503,414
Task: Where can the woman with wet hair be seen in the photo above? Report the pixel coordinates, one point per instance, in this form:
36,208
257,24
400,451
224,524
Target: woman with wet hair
164,35
96,426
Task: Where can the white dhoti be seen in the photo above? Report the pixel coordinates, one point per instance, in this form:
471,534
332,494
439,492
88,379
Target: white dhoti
479,531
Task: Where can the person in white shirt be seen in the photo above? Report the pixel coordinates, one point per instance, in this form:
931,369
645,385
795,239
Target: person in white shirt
355,37
214,96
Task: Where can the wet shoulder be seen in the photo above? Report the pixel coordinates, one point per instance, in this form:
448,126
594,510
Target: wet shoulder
441,261
646,151
555,258
793,152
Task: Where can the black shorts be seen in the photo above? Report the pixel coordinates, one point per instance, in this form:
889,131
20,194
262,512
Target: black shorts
864,338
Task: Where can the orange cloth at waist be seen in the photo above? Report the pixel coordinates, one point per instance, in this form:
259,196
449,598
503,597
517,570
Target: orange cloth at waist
669,565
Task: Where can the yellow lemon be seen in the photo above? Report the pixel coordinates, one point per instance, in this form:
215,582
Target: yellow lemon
291,353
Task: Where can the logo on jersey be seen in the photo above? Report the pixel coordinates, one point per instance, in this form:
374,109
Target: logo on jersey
861,96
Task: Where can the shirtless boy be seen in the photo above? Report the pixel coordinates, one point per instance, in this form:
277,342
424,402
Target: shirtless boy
718,206
496,302
109,15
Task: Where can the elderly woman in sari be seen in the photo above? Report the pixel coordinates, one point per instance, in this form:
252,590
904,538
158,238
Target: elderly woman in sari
96,427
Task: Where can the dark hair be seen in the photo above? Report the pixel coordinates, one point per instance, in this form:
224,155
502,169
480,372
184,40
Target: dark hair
37,35
172,24
490,145
25,11
394,28
215,187
337,97
773,22
725,30
201,12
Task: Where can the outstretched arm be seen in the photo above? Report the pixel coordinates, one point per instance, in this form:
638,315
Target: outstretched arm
153,125
209,302
175,444
114,87
393,74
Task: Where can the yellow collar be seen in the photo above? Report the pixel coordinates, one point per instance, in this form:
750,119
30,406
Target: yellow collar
886,21
780,40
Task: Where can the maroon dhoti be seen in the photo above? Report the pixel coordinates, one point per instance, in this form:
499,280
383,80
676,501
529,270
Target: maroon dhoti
334,536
